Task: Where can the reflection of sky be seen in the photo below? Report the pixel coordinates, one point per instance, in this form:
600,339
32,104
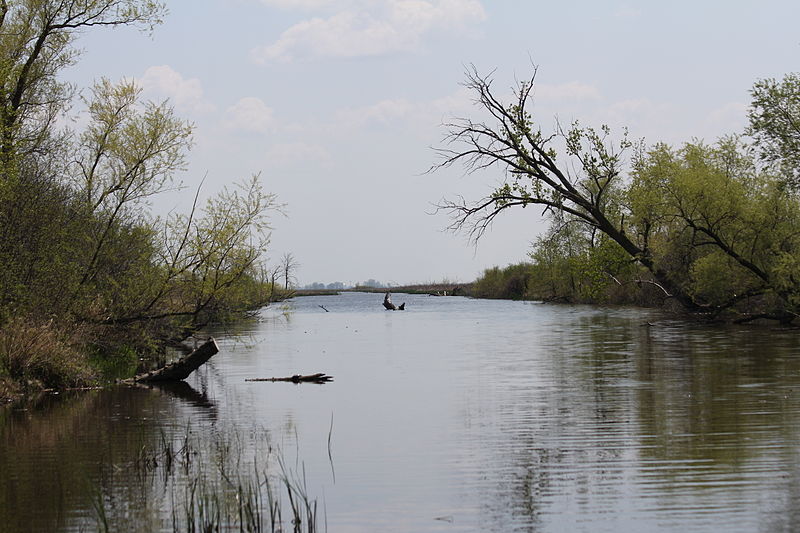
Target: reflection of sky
467,415
503,415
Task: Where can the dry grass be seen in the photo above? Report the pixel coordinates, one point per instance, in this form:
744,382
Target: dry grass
43,354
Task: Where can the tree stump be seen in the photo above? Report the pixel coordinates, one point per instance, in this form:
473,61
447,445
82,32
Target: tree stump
387,303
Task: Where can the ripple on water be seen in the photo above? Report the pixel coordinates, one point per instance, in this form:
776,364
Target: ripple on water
455,415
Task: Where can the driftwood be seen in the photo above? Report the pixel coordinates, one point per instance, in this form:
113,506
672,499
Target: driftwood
387,303
297,378
181,368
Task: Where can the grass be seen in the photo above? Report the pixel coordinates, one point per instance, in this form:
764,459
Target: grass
231,481
44,354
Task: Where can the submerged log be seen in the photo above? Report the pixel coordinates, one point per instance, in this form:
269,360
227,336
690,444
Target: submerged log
180,369
387,303
297,378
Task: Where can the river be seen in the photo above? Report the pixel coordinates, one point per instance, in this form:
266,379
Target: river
454,415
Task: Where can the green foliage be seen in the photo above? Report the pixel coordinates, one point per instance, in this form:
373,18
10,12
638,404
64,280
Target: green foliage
573,264
78,249
36,45
710,226
510,283
719,224
775,124
715,278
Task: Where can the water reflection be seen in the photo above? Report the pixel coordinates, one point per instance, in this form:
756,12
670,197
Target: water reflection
456,415
56,450
184,391
663,426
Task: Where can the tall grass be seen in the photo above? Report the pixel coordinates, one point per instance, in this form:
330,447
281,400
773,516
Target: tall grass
215,481
43,354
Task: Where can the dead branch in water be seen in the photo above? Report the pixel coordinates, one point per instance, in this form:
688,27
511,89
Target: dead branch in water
387,303
297,378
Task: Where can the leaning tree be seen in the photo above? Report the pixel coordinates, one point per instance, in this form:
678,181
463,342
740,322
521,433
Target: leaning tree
583,182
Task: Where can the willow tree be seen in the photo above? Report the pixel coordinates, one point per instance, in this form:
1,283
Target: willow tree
78,246
37,42
775,125
584,183
727,228
41,221
714,229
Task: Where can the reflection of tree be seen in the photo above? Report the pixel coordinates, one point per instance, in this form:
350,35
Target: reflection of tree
713,398
184,391
57,452
562,424
667,417
720,400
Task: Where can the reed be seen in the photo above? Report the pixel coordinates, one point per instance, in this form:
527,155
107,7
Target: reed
217,481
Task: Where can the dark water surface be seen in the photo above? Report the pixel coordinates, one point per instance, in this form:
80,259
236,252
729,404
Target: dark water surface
455,415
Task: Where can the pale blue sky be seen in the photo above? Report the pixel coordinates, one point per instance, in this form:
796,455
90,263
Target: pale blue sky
338,102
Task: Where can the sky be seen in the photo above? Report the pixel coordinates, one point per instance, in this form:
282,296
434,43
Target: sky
338,105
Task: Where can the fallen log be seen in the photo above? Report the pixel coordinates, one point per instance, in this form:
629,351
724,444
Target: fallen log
297,378
180,369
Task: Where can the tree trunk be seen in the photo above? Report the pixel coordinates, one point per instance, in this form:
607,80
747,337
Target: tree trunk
181,368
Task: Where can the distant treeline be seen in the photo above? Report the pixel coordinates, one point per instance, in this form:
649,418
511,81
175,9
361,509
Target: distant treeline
568,282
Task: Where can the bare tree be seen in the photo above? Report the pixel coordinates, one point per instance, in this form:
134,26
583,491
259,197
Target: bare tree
288,265
583,185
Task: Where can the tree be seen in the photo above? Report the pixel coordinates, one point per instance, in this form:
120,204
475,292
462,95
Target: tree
36,44
205,266
586,185
711,216
129,152
78,249
711,228
775,124
288,265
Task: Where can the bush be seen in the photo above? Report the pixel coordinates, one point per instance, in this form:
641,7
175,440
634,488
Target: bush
509,283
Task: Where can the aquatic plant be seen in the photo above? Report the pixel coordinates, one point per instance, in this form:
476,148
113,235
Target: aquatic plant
213,482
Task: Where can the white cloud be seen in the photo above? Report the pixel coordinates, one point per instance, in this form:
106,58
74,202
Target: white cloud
426,15
250,115
186,94
348,34
400,112
369,28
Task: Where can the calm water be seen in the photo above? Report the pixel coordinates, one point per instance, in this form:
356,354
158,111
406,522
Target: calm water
455,415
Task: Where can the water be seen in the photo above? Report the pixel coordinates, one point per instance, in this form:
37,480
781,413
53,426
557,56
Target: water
455,415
